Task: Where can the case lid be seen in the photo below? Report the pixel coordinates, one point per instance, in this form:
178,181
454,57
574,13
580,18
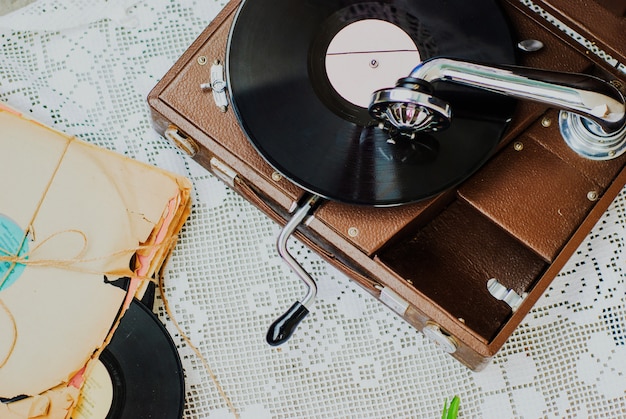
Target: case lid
601,22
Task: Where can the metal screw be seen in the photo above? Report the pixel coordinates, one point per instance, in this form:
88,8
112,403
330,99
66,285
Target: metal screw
546,122
353,232
592,195
202,60
617,84
374,63
518,146
276,177
530,45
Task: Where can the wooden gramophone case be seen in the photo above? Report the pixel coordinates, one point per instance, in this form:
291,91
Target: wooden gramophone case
516,221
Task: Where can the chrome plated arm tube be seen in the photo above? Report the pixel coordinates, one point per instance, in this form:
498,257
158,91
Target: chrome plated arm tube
583,94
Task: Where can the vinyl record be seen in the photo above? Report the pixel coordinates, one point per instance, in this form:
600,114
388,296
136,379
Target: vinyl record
300,75
140,375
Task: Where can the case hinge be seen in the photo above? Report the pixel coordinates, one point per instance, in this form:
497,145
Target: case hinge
440,337
393,300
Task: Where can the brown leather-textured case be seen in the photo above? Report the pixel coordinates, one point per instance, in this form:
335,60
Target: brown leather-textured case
516,221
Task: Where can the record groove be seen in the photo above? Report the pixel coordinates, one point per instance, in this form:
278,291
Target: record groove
298,122
144,370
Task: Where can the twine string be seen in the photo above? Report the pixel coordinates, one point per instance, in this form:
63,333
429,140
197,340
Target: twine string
14,330
33,217
71,264
186,338
76,263
14,259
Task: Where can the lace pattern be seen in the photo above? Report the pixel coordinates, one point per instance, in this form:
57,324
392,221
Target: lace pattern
86,67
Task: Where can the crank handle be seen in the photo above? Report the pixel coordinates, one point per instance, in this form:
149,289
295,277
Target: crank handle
282,329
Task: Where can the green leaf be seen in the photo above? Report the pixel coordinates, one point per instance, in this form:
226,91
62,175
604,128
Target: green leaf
451,412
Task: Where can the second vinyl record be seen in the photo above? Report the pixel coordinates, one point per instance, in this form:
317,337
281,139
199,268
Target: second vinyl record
300,75
138,375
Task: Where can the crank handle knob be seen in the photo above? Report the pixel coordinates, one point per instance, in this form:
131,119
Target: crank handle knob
282,329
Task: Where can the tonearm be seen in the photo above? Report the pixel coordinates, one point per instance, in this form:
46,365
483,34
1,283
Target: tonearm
593,112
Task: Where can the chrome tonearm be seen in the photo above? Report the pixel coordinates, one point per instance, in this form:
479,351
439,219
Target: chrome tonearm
593,112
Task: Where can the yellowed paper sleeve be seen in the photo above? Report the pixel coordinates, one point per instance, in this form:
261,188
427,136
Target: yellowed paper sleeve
87,211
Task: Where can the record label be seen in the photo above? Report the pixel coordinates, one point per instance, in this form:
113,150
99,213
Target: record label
301,76
96,394
11,243
368,55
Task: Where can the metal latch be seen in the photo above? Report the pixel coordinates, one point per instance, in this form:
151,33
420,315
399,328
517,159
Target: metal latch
501,292
217,86
181,140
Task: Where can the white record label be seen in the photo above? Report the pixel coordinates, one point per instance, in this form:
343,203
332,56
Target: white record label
369,55
96,394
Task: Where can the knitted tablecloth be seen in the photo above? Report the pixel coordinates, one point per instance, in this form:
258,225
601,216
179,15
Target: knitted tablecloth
86,66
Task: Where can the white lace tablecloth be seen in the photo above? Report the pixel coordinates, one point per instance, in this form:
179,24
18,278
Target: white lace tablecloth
86,67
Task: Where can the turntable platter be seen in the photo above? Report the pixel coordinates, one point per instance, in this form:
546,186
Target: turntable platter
299,75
